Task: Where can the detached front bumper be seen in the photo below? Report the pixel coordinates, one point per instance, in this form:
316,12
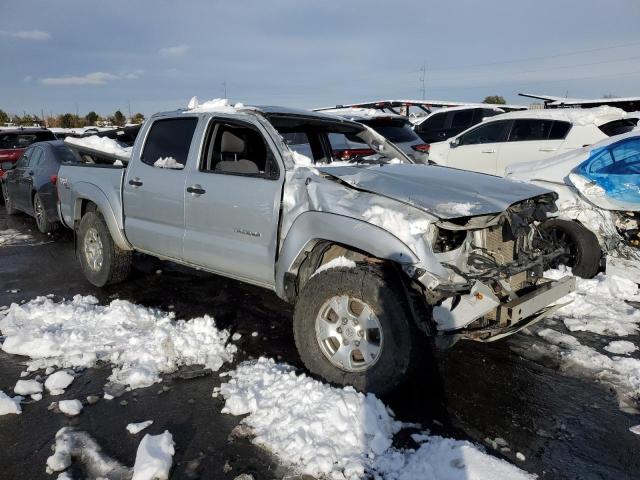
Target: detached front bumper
460,317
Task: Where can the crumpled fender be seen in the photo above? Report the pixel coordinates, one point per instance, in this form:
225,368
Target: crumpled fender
312,226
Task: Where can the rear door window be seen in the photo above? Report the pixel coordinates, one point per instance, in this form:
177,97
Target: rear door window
395,131
491,132
559,130
168,142
530,129
462,119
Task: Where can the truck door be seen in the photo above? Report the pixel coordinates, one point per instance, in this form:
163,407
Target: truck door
232,203
154,188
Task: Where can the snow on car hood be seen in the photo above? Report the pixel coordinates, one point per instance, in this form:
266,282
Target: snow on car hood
444,192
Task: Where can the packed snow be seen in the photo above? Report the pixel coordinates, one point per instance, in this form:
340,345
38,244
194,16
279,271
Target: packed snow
141,343
336,263
598,305
168,162
27,387
104,144
11,237
135,428
154,457
453,208
55,383
70,408
9,405
343,434
73,445
619,347
218,105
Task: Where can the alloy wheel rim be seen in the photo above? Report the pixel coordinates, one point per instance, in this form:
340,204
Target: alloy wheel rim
39,210
93,251
349,333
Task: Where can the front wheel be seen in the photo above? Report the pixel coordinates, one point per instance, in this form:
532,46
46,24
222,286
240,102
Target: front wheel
352,327
102,261
582,249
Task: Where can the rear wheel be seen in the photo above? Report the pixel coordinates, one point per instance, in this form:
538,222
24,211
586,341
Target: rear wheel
8,203
352,327
582,249
102,261
44,223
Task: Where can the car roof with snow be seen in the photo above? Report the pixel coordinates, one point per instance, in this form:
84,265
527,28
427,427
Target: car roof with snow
359,114
577,116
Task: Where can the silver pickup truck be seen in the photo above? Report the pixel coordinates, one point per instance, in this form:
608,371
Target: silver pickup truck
376,253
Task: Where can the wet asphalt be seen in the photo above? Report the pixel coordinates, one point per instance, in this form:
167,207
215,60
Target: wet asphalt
566,428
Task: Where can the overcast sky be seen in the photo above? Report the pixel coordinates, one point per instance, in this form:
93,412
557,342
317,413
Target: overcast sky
63,55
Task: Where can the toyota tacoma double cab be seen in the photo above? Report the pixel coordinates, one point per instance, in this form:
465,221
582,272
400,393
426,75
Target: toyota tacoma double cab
377,254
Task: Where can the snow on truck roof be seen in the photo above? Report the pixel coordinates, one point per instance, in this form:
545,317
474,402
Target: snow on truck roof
577,116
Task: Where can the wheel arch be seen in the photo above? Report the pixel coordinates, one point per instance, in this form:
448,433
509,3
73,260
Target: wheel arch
314,232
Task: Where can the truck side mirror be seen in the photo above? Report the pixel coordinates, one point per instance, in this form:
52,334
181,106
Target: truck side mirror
454,143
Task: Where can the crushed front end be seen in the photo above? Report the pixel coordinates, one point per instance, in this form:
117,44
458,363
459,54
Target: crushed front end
495,265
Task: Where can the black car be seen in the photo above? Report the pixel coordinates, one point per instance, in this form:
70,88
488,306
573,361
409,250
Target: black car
448,122
31,186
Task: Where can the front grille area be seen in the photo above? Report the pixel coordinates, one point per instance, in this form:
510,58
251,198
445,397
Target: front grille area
501,251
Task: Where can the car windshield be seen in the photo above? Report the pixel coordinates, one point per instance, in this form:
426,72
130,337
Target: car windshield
396,131
336,143
15,140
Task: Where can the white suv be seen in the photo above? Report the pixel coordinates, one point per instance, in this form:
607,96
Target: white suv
527,136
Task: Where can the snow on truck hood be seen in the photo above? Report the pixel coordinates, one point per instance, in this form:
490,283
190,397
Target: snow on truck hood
443,192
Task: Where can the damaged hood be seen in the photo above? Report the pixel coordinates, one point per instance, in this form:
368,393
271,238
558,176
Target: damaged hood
446,193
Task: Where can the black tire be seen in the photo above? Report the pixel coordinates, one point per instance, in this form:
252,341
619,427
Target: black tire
382,293
116,263
584,253
43,222
8,203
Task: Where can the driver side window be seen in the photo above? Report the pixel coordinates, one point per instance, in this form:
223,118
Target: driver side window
491,132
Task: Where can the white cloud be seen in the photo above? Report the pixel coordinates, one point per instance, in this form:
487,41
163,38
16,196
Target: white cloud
95,78
176,51
27,35
28,78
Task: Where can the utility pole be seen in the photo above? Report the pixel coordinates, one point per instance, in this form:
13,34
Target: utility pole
129,104
42,119
224,88
423,77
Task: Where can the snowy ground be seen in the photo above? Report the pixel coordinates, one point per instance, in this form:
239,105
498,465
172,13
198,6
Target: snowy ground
310,426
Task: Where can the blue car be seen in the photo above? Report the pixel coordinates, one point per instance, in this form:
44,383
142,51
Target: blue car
598,216
30,187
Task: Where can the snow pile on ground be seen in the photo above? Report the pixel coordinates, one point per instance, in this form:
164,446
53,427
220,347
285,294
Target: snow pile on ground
103,144
154,457
220,105
343,434
621,347
140,342
70,408
622,373
27,387
13,237
57,382
71,444
135,428
9,404
599,305
168,162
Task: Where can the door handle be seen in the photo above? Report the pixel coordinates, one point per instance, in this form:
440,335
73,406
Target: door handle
196,190
547,149
491,150
135,182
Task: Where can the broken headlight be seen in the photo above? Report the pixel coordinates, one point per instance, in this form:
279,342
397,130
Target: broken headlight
447,240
